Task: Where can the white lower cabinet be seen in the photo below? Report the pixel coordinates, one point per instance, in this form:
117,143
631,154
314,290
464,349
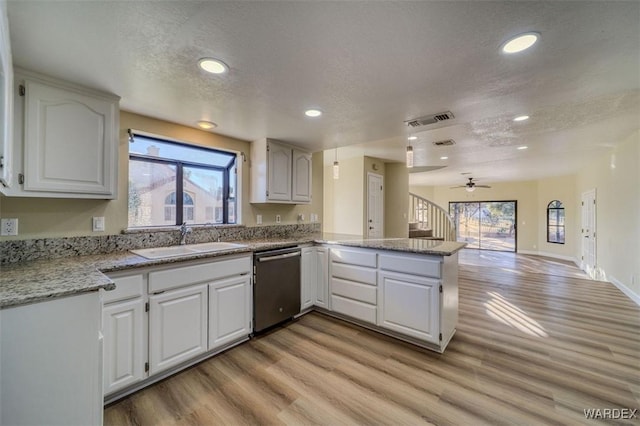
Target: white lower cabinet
322,278
177,326
308,277
353,283
409,304
125,333
51,362
124,356
163,317
229,310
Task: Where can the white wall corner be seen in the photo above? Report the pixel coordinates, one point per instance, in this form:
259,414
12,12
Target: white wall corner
626,290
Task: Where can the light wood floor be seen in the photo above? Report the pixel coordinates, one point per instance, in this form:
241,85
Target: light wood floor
537,343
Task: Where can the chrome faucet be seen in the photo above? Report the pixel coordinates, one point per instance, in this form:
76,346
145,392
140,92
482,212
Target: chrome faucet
184,230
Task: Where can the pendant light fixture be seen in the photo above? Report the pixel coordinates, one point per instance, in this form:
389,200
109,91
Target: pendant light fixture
336,167
409,156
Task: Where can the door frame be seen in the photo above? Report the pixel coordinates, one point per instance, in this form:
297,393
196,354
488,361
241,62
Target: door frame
381,208
515,221
591,270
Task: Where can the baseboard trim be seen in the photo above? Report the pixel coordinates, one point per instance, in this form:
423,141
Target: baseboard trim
626,290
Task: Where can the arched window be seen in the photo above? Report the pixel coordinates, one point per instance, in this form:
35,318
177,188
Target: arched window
170,207
555,222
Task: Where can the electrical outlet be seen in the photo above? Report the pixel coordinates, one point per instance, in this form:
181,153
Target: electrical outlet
9,227
278,219
259,219
98,224
301,217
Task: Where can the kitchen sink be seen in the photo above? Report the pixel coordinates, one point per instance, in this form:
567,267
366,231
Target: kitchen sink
186,250
215,246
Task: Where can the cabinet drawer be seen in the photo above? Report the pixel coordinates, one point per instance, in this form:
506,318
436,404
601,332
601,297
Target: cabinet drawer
353,273
126,288
353,257
353,308
411,265
195,274
362,292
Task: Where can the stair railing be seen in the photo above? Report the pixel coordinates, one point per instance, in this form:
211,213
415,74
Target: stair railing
429,215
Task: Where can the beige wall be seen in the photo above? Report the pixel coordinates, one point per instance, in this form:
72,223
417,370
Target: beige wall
44,217
533,198
422,191
343,198
525,193
616,179
563,189
396,201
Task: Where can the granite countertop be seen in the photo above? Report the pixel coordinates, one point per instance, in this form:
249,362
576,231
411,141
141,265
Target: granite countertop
407,245
34,281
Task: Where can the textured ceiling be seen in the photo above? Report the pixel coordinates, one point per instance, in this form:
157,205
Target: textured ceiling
369,66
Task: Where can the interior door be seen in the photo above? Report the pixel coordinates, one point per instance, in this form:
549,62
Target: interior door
375,220
588,263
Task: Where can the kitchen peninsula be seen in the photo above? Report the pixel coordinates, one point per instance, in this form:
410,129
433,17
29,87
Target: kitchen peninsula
406,288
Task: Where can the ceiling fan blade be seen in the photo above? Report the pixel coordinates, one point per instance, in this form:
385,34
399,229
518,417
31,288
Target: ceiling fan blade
461,186
482,186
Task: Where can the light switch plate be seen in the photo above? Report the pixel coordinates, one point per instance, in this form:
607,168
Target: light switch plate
98,224
259,219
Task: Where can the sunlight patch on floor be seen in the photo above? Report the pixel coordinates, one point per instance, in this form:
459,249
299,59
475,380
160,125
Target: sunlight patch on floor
507,313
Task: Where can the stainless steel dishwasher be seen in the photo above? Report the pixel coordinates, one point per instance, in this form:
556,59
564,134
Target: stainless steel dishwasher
276,286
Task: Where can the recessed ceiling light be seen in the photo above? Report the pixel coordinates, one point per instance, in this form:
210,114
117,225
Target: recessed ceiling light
521,118
214,66
313,113
444,158
203,124
412,138
520,42
521,148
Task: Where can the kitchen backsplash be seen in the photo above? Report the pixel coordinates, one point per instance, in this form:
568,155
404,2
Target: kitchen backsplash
51,248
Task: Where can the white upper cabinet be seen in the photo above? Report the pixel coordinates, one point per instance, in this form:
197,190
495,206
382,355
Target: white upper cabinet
69,138
301,176
6,100
280,173
279,165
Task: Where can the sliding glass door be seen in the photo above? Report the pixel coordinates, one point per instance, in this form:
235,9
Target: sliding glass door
486,225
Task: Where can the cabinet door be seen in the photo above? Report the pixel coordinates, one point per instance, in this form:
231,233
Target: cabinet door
124,356
409,304
322,276
309,277
70,144
6,99
177,326
301,176
279,169
229,310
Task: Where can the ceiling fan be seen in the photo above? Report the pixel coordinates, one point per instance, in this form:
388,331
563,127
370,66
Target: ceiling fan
471,186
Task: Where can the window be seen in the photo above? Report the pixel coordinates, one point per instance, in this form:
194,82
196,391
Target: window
555,222
170,208
486,225
171,183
